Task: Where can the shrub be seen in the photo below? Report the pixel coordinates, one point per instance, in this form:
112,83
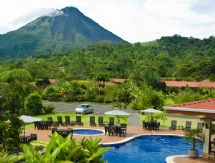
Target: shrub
46,93
48,109
61,149
34,104
99,99
55,96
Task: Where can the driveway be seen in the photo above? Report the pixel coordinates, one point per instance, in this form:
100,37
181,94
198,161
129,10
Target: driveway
99,108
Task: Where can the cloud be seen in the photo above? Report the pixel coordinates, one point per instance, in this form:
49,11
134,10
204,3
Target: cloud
133,20
204,7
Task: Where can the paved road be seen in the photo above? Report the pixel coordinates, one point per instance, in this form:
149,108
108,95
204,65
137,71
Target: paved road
98,109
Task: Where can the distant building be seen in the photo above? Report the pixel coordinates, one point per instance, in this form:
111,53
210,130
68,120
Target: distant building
191,84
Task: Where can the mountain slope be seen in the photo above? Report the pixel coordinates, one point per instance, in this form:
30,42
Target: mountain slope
64,31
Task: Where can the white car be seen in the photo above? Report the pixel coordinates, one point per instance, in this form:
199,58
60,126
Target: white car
84,109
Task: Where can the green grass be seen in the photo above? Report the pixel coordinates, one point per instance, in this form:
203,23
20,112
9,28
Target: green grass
85,118
181,120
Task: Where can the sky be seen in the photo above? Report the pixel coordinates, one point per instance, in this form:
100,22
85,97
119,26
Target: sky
132,20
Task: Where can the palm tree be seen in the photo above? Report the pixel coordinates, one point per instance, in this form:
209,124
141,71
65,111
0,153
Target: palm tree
194,135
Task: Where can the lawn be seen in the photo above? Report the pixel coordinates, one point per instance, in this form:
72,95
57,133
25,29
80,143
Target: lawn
85,118
181,120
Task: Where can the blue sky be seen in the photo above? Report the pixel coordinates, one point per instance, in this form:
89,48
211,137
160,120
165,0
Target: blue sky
133,20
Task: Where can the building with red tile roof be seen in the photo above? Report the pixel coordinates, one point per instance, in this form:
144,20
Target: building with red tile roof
118,80
53,81
192,84
201,107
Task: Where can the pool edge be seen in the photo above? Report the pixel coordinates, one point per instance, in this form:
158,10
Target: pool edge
103,132
136,136
170,159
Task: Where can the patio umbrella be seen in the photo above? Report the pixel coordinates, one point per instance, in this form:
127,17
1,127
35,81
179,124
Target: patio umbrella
28,119
117,113
150,111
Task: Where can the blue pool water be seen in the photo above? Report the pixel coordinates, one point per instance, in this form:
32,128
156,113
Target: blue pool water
149,149
87,132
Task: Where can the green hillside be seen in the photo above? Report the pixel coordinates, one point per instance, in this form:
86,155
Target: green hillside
173,57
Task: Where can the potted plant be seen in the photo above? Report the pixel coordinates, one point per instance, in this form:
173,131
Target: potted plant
193,135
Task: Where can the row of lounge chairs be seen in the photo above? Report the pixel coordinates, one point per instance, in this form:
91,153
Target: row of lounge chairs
187,126
68,122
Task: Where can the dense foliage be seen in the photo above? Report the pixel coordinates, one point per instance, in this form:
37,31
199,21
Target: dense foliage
173,57
82,74
69,150
34,104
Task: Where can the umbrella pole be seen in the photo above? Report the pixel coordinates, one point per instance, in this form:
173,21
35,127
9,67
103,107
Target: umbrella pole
24,129
118,119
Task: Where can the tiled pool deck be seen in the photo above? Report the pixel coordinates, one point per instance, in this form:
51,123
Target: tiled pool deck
132,131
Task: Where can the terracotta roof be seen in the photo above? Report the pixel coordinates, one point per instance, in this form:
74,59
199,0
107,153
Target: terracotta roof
194,84
110,84
118,80
53,81
206,106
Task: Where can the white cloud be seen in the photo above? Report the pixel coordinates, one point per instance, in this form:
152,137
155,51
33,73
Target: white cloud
133,20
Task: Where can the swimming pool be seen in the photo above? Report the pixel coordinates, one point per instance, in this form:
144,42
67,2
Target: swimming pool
148,149
86,132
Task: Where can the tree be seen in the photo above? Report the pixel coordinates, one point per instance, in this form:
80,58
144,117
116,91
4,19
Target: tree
4,98
146,97
34,104
123,96
21,75
193,136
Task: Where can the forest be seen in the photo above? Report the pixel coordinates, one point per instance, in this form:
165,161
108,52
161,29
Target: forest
176,58
81,72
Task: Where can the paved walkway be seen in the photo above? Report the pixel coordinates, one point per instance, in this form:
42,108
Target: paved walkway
44,135
189,160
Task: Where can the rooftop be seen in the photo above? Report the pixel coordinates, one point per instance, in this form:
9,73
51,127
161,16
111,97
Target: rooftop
204,106
192,84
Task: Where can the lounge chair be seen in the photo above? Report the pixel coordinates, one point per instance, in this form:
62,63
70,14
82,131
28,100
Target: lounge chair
55,124
199,126
187,126
173,125
60,120
78,121
111,121
100,121
68,122
92,121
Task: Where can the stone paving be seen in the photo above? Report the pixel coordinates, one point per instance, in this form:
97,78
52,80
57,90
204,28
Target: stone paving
44,135
189,160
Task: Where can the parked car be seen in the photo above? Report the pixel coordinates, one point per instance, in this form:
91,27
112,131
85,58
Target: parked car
84,109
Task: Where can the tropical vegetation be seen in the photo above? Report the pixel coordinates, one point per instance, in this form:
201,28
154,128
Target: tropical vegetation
69,150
